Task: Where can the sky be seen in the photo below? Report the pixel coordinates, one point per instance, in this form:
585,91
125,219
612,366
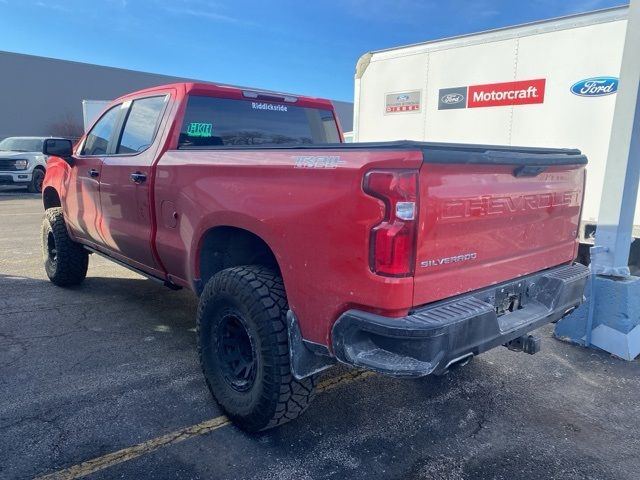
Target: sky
308,47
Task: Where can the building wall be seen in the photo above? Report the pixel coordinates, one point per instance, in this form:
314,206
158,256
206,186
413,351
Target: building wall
43,96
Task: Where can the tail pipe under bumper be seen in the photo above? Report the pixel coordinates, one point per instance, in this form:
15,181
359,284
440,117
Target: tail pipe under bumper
437,335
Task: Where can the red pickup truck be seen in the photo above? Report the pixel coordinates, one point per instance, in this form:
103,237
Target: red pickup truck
405,258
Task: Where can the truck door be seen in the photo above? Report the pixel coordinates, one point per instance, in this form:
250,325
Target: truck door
83,212
125,184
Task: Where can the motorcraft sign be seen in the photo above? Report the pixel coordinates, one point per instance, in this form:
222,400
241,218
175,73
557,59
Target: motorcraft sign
521,92
402,102
524,92
595,87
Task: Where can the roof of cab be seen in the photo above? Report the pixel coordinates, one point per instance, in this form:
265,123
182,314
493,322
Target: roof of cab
187,87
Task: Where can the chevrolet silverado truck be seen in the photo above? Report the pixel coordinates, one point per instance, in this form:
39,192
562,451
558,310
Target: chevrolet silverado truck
405,258
22,162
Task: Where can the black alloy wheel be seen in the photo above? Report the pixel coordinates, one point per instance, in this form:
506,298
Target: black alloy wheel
236,352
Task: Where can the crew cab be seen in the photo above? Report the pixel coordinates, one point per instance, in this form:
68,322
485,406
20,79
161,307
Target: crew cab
22,162
405,258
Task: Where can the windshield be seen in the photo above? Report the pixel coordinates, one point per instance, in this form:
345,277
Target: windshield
17,144
211,121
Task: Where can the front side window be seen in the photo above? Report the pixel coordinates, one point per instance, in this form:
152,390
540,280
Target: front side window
211,121
141,124
98,139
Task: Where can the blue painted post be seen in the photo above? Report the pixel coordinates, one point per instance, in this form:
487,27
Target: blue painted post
611,320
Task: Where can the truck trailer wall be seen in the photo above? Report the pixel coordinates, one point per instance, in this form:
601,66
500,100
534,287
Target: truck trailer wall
454,80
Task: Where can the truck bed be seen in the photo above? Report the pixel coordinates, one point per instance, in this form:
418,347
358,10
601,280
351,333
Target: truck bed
447,152
331,209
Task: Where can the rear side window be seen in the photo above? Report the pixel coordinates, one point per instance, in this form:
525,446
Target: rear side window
99,138
211,121
141,124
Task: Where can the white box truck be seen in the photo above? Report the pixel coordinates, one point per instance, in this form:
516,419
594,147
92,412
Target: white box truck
550,83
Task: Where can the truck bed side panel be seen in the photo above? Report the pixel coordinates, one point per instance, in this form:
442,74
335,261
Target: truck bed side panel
316,220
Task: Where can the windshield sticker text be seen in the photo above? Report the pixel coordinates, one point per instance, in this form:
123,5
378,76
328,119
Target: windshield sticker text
197,129
268,106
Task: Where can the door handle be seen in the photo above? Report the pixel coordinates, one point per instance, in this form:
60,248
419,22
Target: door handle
138,177
93,173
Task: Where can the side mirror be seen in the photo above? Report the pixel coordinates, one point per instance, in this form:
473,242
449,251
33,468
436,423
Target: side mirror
58,147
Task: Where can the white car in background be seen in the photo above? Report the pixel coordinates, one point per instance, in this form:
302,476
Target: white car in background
22,162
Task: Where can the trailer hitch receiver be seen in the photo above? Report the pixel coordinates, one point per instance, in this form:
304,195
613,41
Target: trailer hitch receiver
527,343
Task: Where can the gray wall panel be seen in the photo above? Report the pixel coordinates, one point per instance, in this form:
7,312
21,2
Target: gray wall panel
42,96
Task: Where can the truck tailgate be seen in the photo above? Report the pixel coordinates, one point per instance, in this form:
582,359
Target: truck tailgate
490,216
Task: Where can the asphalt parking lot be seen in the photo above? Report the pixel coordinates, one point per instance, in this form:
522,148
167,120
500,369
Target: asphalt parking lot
102,381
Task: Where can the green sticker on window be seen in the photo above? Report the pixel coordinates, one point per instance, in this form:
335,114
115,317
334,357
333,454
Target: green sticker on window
197,129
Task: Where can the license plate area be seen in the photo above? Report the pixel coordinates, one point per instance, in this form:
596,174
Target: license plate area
509,298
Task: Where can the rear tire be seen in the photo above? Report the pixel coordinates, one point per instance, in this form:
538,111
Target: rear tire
244,351
65,261
37,177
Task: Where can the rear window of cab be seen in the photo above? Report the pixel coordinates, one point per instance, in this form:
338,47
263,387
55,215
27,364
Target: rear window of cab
214,122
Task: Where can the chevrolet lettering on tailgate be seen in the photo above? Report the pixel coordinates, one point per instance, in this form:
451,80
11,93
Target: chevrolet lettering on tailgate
481,206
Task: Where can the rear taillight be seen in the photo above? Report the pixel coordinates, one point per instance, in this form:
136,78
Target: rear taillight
392,244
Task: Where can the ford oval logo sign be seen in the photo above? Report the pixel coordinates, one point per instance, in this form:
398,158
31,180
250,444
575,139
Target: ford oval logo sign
452,98
402,98
595,87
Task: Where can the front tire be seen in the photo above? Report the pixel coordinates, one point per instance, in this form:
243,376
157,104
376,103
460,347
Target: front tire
243,348
37,177
65,261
